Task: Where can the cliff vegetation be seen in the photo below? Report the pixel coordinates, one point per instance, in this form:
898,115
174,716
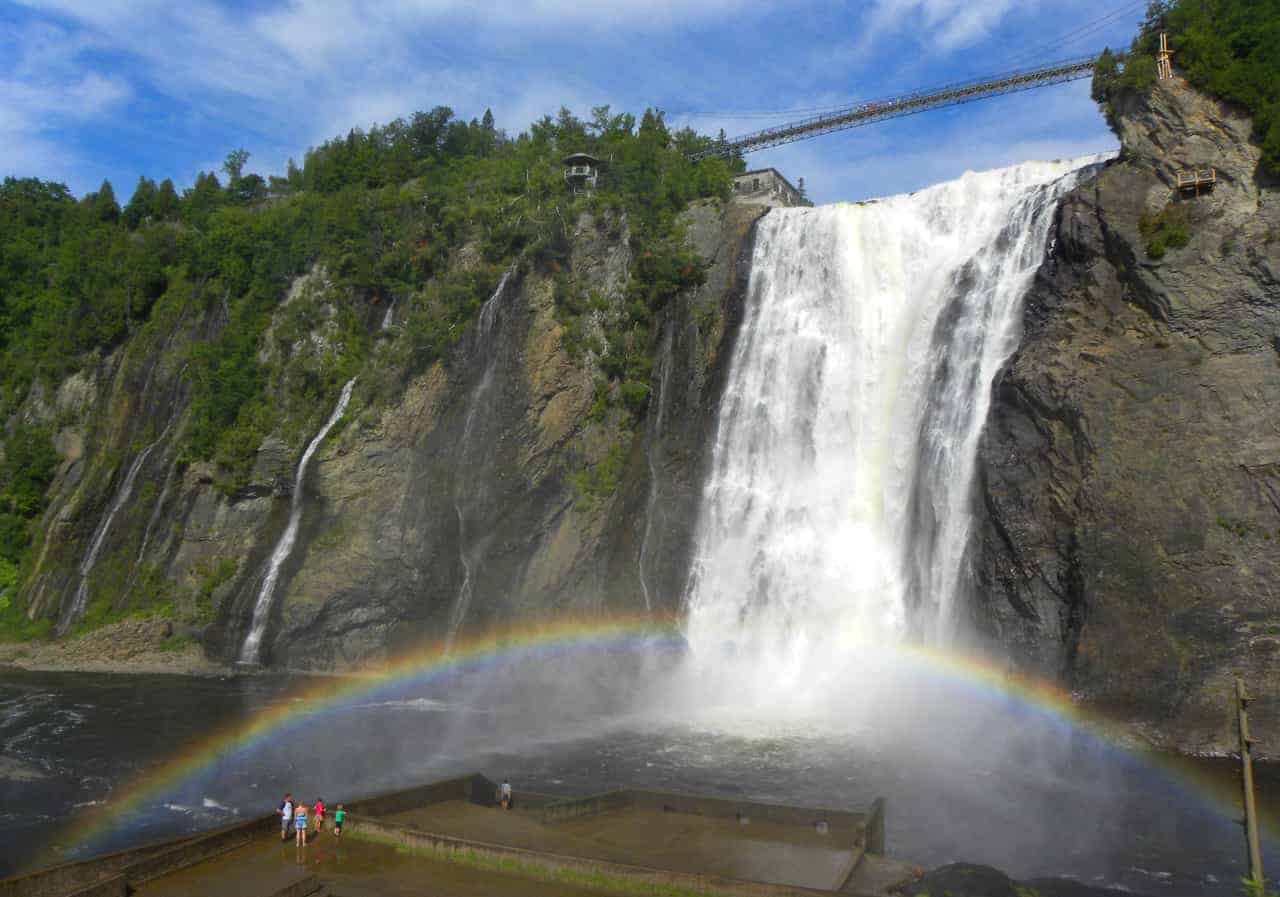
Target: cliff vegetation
419,217
1230,49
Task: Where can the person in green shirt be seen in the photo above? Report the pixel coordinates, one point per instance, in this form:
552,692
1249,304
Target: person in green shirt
338,815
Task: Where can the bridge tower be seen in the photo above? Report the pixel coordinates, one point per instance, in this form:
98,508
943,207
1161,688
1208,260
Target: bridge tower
1164,65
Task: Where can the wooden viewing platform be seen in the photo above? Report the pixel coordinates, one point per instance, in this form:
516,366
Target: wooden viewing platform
1191,180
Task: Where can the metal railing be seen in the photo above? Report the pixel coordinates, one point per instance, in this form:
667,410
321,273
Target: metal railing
906,104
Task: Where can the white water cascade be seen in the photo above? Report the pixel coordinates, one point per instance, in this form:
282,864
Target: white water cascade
284,547
463,487
837,509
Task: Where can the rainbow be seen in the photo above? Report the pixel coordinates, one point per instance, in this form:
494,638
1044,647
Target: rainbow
425,664
430,664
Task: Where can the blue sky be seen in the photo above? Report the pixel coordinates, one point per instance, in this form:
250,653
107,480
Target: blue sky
119,88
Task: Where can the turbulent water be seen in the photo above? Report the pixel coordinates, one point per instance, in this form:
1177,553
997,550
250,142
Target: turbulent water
837,511
252,647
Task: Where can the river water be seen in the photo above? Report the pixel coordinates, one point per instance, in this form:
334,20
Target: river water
72,743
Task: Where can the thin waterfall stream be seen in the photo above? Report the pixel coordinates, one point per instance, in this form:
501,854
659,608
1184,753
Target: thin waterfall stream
122,496
655,433
484,326
252,648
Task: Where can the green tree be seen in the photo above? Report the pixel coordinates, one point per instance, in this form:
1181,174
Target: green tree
142,204
166,205
233,165
102,204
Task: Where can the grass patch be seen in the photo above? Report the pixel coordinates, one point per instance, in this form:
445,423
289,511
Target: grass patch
14,625
597,881
600,480
176,643
1165,230
213,575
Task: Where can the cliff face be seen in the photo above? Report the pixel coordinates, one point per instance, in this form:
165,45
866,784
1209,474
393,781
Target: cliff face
1130,474
456,503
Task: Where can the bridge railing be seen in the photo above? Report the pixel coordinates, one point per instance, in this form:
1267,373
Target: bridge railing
904,104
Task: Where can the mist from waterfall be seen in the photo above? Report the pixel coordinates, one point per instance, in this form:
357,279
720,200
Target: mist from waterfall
252,647
837,513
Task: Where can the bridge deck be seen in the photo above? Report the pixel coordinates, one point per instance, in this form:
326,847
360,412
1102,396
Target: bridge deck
906,104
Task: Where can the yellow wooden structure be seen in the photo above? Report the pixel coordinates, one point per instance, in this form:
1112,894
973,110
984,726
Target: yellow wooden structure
1193,180
1164,63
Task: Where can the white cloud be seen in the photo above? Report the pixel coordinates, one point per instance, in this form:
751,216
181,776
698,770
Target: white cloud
944,25
44,91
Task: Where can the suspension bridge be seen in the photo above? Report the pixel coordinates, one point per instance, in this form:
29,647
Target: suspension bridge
902,105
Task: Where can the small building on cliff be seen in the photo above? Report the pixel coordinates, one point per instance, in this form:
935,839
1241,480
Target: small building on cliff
767,187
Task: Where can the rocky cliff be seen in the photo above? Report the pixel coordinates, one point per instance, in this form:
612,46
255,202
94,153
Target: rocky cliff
1130,473
493,486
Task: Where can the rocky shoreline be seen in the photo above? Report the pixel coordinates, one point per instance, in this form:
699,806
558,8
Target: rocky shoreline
136,646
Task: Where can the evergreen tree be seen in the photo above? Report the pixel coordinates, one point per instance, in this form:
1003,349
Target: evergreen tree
142,204
166,205
201,199
103,205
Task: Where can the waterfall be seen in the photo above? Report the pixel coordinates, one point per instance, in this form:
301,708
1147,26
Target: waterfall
284,547
484,325
122,496
655,432
837,507
390,317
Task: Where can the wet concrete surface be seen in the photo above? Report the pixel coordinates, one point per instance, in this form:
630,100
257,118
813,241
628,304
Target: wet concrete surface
347,868
757,851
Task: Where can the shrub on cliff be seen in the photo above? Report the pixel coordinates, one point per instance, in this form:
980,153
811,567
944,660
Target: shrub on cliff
1228,48
1165,230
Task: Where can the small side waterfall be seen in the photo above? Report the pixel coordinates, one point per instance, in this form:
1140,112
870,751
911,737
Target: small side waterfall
837,510
390,317
123,494
655,432
170,475
252,647
463,486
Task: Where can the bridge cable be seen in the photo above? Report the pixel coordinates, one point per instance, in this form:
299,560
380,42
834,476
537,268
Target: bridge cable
1085,30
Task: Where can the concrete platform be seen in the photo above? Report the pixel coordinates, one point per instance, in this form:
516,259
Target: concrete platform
348,868
730,848
449,837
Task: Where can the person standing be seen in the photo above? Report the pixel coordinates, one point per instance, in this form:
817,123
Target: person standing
504,794
286,816
318,809
300,823
339,815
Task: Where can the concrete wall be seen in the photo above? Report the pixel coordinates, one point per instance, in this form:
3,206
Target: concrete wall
475,788
401,835
842,821
97,877
766,187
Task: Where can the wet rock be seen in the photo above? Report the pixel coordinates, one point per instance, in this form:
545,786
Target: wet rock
972,880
